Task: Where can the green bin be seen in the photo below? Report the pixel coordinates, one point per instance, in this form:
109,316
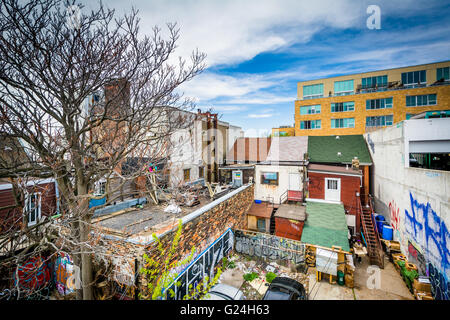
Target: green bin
340,278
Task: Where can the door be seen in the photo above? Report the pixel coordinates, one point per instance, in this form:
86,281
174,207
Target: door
294,181
332,189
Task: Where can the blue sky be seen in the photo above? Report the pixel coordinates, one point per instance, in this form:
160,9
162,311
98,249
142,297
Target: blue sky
258,50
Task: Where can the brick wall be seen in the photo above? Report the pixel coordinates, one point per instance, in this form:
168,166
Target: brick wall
198,231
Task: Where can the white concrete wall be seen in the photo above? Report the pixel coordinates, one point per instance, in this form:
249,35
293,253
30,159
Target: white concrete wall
264,191
415,201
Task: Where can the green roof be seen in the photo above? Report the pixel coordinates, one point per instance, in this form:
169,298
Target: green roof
324,149
325,225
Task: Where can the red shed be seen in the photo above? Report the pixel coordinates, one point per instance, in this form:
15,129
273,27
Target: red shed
337,183
289,221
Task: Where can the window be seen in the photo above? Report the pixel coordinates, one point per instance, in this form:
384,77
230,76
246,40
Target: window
269,178
443,73
100,187
313,91
342,106
33,208
342,88
310,124
187,174
261,225
201,172
414,78
373,82
332,184
385,103
343,123
379,121
310,109
422,100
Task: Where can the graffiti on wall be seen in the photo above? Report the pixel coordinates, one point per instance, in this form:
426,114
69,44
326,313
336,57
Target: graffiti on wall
33,275
395,215
440,286
416,257
203,265
64,274
269,246
424,227
428,230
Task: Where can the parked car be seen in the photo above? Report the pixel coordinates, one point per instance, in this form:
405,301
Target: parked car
283,288
223,291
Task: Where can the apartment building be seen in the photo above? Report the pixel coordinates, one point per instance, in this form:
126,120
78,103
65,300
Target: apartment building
363,102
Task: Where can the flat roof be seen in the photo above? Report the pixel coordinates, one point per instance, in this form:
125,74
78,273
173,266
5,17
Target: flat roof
325,225
314,167
262,210
291,211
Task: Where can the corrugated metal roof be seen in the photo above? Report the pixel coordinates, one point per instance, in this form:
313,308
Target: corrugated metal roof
249,149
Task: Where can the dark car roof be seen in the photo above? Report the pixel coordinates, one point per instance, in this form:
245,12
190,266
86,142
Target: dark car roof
287,284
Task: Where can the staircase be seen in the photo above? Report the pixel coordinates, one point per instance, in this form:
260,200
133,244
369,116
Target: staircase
374,249
272,219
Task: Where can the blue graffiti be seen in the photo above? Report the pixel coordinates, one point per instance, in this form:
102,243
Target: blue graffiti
440,287
429,231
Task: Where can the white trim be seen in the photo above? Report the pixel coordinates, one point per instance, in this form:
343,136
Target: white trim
25,208
7,186
323,201
359,175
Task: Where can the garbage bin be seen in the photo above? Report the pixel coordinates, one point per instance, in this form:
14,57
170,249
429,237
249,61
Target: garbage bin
340,278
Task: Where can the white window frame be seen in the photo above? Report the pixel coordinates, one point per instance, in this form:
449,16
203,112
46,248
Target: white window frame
98,187
26,208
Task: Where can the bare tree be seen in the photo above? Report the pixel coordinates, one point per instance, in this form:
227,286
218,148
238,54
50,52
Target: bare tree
84,91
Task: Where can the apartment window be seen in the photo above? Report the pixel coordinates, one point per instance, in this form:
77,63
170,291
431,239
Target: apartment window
379,121
385,103
100,187
33,208
342,106
269,178
342,88
421,100
187,174
310,109
414,78
373,82
201,172
310,124
313,91
343,123
443,73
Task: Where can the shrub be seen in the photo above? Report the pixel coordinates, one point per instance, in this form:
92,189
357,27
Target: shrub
270,276
250,276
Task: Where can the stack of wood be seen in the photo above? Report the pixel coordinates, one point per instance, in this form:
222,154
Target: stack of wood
391,247
422,289
349,271
310,256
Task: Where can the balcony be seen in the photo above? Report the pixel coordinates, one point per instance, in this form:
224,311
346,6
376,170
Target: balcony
391,86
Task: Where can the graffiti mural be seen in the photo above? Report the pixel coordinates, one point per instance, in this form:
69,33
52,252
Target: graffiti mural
440,286
33,275
416,257
63,273
269,246
203,265
424,227
395,215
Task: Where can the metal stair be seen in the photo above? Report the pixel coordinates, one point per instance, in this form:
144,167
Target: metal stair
374,248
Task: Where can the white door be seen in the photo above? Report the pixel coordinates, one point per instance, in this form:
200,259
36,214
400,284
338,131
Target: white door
332,189
294,181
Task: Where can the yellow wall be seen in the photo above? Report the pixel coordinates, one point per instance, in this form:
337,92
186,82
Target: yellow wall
399,109
290,131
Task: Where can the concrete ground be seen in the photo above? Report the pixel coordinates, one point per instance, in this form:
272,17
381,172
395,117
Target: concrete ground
388,286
